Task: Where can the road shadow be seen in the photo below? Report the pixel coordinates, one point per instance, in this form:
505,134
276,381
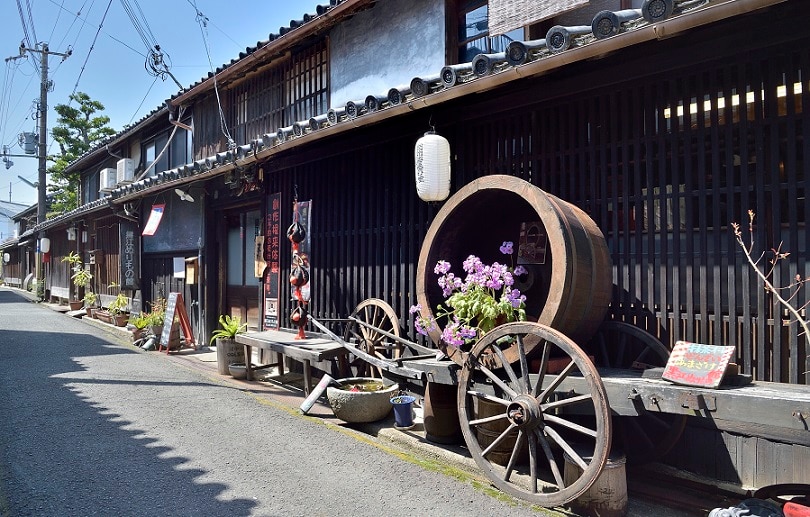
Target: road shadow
64,453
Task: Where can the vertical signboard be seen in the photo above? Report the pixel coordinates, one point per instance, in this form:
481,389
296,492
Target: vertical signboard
130,254
272,256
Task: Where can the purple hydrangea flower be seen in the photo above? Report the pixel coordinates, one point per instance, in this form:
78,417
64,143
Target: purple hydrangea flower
507,248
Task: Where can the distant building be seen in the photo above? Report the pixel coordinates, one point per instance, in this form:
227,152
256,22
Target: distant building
8,210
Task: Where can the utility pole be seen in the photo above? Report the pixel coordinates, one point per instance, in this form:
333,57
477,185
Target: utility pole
43,147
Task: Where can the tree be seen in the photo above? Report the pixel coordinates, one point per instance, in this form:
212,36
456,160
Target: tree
77,130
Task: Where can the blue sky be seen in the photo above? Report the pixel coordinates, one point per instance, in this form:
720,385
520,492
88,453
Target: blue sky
108,63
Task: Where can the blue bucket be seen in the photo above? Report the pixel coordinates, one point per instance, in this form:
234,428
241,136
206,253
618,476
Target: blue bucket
403,410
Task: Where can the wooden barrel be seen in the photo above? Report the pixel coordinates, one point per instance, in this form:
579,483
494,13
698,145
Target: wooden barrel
441,414
570,278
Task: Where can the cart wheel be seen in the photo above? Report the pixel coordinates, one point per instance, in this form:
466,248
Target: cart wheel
370,318
649,436
535,413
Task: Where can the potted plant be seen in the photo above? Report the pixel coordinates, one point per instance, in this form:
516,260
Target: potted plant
81,277
484,299
117,309
157,315
89,301
228,350
138,322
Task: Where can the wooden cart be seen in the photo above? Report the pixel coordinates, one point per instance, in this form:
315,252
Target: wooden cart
558,402
564,387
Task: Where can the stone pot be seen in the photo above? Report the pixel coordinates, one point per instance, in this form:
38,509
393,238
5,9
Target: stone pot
237,370
360,406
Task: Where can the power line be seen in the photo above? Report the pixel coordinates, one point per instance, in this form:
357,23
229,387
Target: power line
202,21
92,46
142,101
157,62
84,22
31,21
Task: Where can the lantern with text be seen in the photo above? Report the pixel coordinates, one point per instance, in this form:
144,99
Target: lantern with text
432,154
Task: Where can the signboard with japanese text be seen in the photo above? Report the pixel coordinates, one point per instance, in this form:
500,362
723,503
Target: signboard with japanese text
695,364
272,256
130,254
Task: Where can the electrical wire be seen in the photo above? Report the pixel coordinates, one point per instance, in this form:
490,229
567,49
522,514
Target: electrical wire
202,21
138,109
31,21
56,22
27,39
92,46
77,16
158,62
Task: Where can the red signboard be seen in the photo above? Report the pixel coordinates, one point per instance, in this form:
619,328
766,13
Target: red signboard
695,364
272,255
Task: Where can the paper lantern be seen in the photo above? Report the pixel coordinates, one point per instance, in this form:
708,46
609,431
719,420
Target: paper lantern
44,245
6,257
432,154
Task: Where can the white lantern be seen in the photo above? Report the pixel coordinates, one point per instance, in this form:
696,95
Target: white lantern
6,257
44,245
432,154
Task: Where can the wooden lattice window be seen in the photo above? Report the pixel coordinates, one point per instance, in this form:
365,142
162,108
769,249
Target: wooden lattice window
296,89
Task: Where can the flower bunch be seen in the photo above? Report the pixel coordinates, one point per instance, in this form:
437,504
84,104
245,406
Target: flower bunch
474,306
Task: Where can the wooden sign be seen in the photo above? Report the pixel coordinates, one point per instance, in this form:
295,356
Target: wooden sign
175,308
272,257
695,364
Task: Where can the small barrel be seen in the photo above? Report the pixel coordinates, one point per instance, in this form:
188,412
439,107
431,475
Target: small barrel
441,414
607,497
570,277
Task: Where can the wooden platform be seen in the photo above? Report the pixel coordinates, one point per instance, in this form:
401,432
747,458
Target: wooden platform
284,343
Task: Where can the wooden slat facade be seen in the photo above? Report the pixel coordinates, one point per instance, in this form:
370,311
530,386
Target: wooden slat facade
663,165
663,160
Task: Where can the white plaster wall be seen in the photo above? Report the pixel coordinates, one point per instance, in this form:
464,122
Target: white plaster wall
384,47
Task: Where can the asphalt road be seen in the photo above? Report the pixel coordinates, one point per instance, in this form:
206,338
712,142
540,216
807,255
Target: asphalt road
92,426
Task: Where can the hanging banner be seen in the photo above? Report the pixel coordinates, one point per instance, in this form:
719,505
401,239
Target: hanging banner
258,256
130,254
304,209
507,15
272,255
154,219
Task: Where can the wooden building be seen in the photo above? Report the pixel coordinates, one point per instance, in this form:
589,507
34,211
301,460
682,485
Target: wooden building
665,134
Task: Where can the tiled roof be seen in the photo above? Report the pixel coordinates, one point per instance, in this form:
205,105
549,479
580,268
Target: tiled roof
282,31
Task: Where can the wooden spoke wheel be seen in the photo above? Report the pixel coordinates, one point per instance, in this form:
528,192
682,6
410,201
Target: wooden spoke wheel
367,328
548,409
649,436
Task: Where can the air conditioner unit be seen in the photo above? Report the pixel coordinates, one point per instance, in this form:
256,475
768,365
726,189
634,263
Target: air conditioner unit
126,170
107,179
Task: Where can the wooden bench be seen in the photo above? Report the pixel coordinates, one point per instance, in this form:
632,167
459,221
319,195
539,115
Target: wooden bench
313,349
